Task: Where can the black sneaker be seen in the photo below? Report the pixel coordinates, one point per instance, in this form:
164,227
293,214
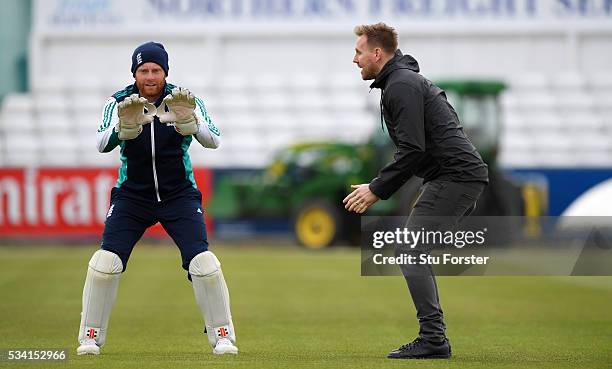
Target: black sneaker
422,349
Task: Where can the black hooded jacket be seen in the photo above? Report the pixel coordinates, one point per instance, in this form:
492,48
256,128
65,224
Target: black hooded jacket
426,131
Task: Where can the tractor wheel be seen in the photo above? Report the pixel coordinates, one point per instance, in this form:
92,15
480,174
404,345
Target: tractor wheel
317,224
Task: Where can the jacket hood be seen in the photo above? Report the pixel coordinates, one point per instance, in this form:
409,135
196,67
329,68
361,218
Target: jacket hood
399,61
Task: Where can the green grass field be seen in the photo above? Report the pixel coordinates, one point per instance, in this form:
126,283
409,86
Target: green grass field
299,309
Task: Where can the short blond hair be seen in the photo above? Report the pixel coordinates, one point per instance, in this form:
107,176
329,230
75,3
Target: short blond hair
379,35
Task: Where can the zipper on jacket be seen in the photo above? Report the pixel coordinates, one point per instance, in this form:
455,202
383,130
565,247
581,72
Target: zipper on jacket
153,161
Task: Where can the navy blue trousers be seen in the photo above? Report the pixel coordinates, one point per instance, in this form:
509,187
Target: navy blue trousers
128,217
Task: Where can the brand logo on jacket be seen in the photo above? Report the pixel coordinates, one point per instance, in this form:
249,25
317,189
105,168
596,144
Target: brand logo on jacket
110,211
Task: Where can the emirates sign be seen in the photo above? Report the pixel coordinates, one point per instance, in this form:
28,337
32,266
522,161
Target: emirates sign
66,202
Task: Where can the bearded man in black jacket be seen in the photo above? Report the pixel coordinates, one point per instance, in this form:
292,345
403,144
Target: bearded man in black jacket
431,144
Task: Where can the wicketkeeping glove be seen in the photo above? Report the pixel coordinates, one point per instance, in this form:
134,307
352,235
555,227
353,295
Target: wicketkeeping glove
132,116
181,105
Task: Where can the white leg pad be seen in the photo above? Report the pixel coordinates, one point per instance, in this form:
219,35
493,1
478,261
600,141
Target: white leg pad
99,295
212,297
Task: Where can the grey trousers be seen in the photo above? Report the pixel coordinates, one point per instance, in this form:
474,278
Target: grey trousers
440,205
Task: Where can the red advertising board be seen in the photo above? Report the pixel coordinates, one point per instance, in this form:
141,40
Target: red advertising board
64,202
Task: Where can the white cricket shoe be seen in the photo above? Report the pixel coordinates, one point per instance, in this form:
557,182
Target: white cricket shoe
225,346
88,347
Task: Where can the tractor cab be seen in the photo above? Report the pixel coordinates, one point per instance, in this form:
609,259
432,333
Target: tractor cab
477,104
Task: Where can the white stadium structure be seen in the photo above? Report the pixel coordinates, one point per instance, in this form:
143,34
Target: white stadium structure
272,74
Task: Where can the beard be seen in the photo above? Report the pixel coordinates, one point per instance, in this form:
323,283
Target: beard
150,91
367,74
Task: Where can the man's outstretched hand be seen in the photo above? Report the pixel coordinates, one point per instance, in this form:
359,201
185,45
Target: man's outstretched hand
132,116
360,199
180,104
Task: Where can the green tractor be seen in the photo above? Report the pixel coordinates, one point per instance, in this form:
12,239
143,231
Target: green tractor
307,182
